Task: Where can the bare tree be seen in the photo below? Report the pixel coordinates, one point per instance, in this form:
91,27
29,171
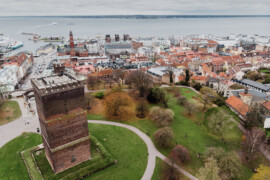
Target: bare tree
92,81
141,80
252,142
142,108
208,96
119,75
180,154
189,107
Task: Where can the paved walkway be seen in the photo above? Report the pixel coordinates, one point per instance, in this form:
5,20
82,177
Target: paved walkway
26,123
152,151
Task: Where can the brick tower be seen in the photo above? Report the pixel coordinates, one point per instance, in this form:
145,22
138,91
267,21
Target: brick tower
59,101
71,40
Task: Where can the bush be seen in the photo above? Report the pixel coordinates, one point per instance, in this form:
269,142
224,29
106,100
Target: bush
100,95
184,83
163,136
161,117
219,101
197,86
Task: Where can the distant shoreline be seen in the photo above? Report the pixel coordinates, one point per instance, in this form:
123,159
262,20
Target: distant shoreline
143,16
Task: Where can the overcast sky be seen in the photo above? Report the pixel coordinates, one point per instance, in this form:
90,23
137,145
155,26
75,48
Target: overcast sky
131,7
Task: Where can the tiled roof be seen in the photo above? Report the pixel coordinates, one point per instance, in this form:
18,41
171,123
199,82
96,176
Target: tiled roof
266,105
238,105
21,58
198,78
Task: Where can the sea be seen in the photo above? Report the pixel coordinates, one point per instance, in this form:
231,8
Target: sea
13,27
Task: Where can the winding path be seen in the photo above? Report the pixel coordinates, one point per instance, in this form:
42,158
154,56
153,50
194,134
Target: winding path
152,151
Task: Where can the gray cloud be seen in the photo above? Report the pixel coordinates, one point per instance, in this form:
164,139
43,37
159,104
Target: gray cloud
127,7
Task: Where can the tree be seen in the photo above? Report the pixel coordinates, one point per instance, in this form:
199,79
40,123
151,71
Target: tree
118,106
92,81
141,80
208,96
163,136
210,170
182,100
180,154
161,117
142,108
254,117
252,142
197,86
229,163
155,95
119,75
90,101
262,174
158,95
189,107
169,172
169,70
217,124
187,76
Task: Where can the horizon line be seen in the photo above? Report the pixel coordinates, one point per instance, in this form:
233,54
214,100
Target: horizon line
139,15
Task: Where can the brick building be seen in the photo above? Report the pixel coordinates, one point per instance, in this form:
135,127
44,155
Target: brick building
74,50
60,101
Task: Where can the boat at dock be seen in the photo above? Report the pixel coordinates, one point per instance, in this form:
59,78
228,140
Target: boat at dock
15,45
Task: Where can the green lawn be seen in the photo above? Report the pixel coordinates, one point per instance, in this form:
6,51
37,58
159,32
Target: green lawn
129,150
11,164
9,111
158,170
95,117
125,146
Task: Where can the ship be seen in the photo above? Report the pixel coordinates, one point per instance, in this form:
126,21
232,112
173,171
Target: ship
16,45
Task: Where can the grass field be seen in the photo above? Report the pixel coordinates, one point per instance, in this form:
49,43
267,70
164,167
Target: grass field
125,146
129,150
9,111
11,163
189,131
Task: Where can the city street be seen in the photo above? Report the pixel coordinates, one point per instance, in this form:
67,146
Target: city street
39,66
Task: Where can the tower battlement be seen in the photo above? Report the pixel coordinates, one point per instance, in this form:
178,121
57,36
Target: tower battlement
56,83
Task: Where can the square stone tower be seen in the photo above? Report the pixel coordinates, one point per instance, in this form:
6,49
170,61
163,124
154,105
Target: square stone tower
64,128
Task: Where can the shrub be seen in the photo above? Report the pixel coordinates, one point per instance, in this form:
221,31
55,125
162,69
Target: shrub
197,86
100,95
219,101
184,83
163,136
161,117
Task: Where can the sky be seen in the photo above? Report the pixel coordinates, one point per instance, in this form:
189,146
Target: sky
133,7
